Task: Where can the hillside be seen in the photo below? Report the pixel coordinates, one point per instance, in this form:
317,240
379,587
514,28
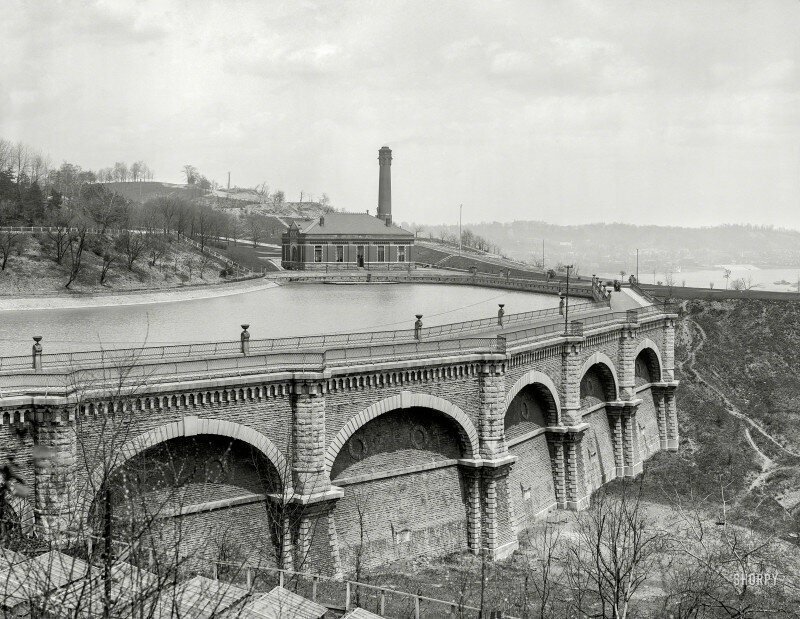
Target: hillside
142,191
612,247
739,412
33,269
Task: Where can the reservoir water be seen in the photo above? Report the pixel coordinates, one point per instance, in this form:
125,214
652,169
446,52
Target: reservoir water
287,310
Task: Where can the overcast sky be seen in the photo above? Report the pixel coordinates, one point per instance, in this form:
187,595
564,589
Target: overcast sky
684,113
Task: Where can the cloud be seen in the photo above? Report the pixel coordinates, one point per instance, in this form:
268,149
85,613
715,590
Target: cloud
514,103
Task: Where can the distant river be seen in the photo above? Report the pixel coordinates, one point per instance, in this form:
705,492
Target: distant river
288,310
761,279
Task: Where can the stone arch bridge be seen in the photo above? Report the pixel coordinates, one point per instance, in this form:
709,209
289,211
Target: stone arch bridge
390,444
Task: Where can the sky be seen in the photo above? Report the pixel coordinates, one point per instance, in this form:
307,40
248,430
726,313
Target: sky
675,112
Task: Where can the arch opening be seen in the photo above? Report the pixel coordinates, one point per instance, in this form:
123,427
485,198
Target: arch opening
403,491
598,385
647,367
195,495
533,407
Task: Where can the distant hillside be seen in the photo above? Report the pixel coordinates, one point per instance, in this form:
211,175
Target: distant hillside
143,191
612,247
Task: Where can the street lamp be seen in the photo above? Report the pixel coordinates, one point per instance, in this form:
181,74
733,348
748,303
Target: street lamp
566,306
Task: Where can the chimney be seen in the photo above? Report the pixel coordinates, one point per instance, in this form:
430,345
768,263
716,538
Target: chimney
322,220
385,185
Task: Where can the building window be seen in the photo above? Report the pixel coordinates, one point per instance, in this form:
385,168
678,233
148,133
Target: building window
401,254
317,253
339,253
381,253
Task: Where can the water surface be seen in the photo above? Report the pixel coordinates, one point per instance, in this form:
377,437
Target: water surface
287,310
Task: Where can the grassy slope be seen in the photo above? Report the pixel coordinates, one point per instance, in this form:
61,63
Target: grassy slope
34,271
737,357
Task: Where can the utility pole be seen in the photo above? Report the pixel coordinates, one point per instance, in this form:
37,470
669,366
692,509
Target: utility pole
566,306
637,266
229,182
460,206
542,253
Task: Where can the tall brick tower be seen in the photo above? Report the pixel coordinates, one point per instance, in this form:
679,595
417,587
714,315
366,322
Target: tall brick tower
385,185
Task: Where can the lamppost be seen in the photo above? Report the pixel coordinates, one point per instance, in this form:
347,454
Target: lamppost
566,306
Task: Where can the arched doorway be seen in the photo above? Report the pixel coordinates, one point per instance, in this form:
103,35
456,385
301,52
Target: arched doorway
403,492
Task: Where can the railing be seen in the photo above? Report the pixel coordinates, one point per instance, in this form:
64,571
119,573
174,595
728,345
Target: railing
135,372
344,595
129,356
460,277
225,259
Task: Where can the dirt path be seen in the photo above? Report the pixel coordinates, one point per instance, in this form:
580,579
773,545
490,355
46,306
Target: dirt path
688,366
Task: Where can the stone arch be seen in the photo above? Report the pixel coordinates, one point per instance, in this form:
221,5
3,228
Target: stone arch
602,359
531,378
404,399
652,358
193,426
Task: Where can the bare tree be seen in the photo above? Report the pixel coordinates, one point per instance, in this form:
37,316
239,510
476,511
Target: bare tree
131,245
76,245
618,548
157,248
58,235
190,173
541,576
256,226
9,241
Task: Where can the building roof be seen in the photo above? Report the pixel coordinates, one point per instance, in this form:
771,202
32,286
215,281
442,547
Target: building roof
282,604
28,579
351,224
199,598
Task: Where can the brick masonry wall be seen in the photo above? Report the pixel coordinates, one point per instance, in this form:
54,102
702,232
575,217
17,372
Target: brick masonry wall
271,417
599,449
397,440
525,414
429,505
531,477
235,534
343,405
647,421
522,364
404,517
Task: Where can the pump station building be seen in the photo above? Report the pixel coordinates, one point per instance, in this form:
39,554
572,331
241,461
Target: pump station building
351,240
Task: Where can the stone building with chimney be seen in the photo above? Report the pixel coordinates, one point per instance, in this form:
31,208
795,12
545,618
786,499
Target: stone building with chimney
351,240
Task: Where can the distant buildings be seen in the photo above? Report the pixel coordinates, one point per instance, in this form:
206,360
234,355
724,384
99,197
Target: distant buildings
351,240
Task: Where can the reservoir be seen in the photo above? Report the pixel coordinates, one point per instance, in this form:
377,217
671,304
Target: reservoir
284,310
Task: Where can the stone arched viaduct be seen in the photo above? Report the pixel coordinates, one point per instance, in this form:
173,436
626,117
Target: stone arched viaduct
432,451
